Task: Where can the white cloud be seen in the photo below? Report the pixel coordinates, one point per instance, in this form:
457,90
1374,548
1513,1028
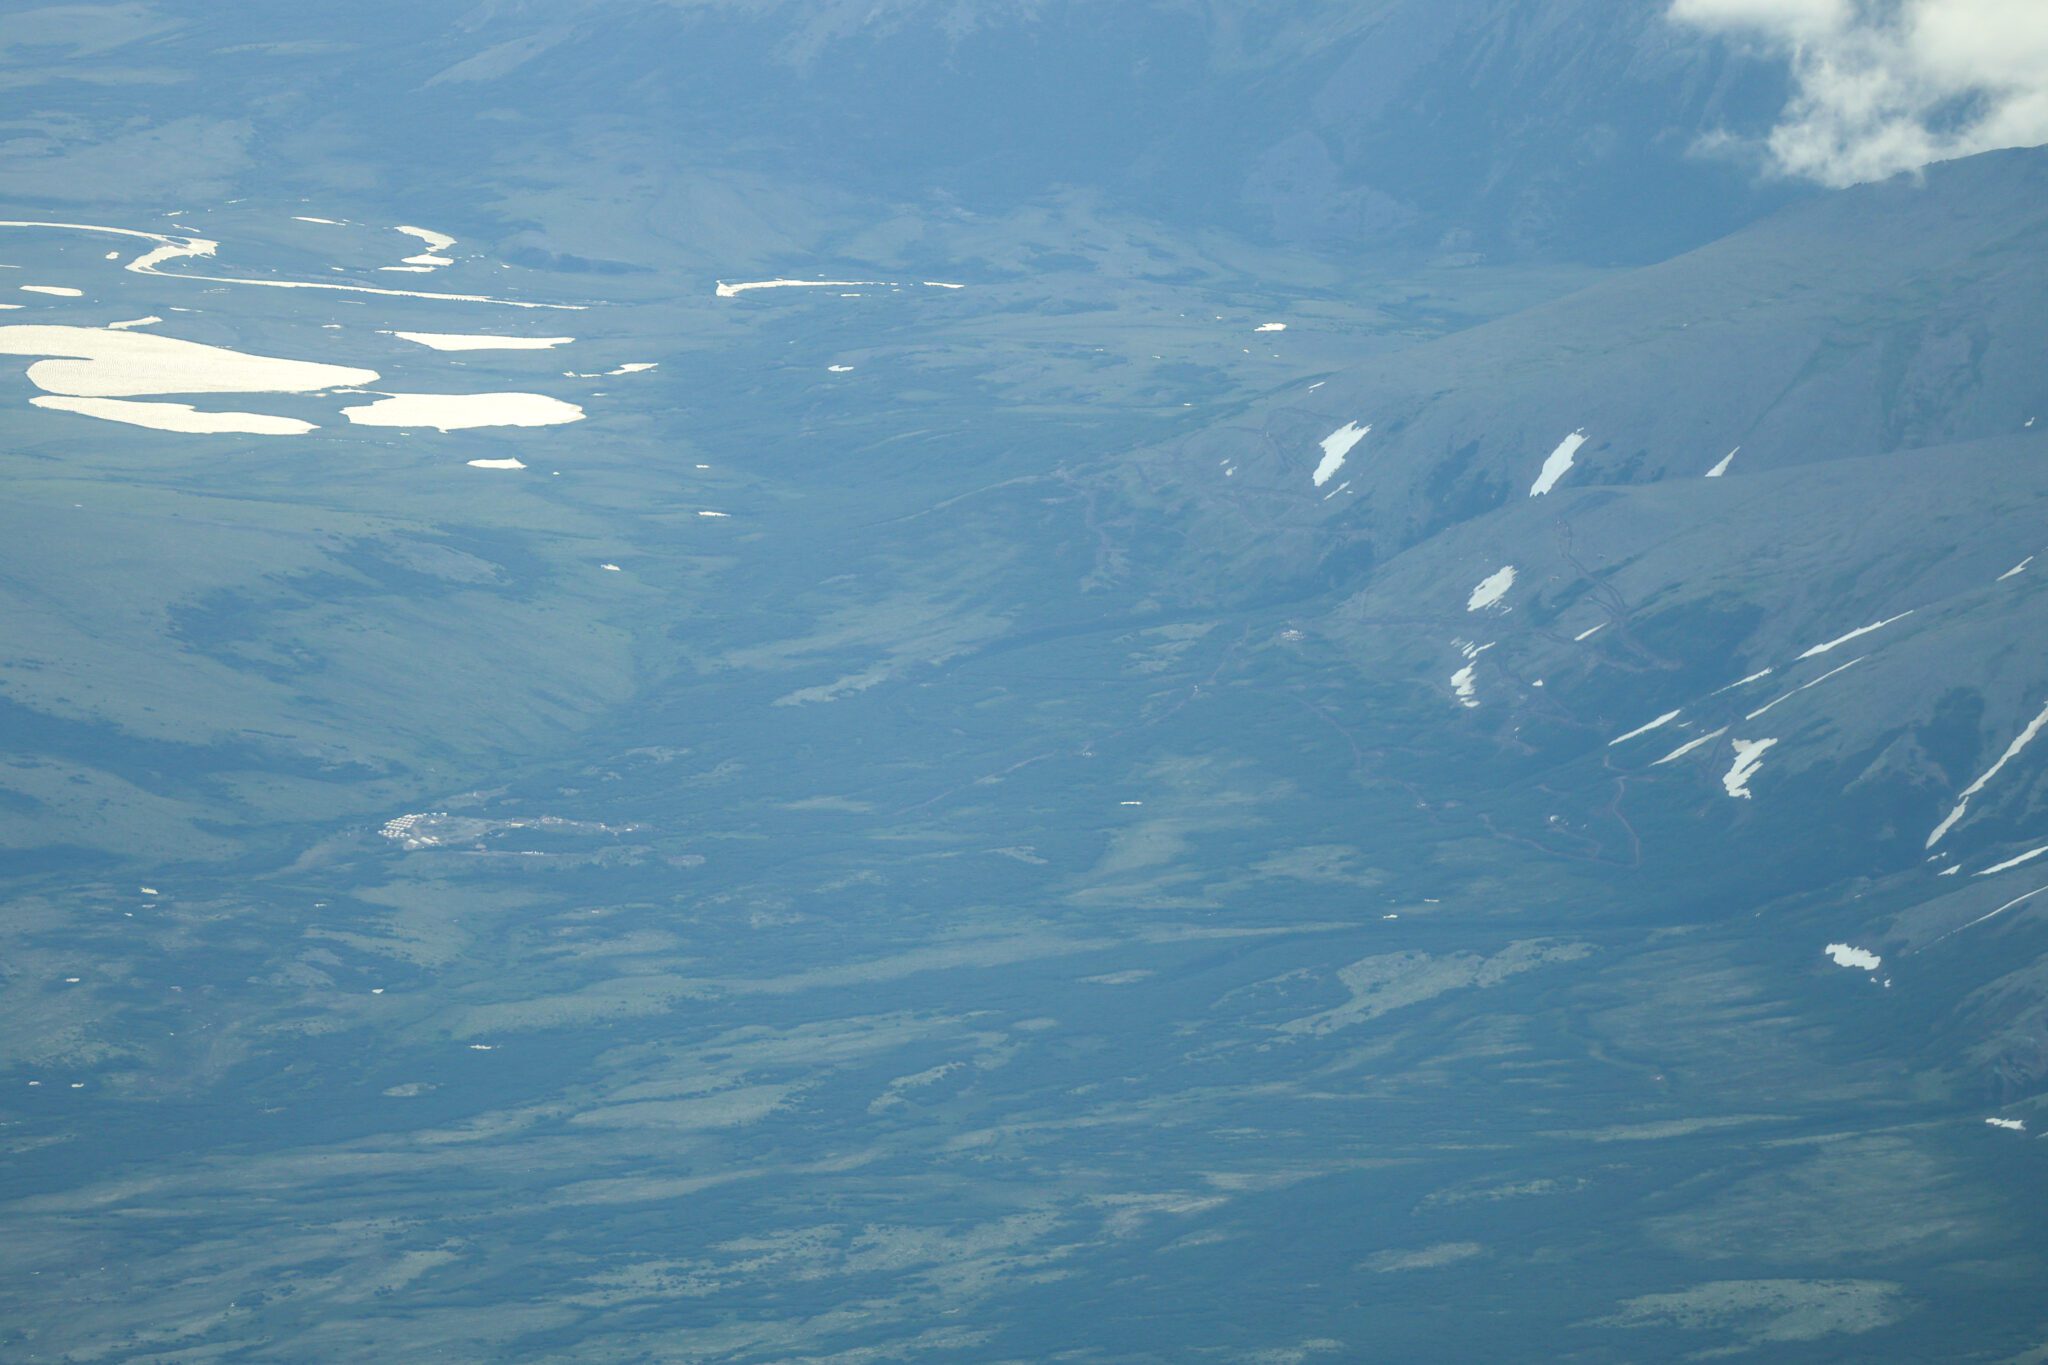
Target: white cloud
1883,86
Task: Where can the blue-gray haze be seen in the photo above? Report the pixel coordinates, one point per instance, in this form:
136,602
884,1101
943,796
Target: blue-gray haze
1023,680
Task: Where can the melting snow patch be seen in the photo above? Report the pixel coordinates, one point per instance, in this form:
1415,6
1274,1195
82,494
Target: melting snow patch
839,369
459,411
1949,871
62,291
2010,1125
1491,589
1722,468
149,321
175,416
610,568
1860,630
497,464
2016,569
302,218
1658,723
459,341
1749,756
635,367
1846,955
1588,633
2026,857
1335,447
1270,327
714,514
2020,741
1558,463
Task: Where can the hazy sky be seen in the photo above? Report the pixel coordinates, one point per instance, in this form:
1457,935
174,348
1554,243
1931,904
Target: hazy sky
1885,86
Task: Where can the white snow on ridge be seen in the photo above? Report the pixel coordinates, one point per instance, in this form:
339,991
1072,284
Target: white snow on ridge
1491,589
302,218
464,341
1270,327
1847,955
2010,1125
1859,631
2016,569
459,411
1588,633
636,367
508,463
2020,741
1722,468
1558,463
62,291
2026,857
1749,756
1335,447
175,416
1658,723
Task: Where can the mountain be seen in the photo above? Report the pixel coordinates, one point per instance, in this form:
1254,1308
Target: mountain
698,680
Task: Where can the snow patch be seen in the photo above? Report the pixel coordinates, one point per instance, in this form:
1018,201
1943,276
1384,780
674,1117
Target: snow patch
170,248
2020,741
99,362
2010,1125
1803,686
1557,464
460,411
737,288
175,416
2016,569
2026,857
1859,631
507,463
1656,724
435,241
1749,756
62,291
1335,447
1462,684
1847,955
1722,468
1491,589
1682,750
466,341
1270,327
